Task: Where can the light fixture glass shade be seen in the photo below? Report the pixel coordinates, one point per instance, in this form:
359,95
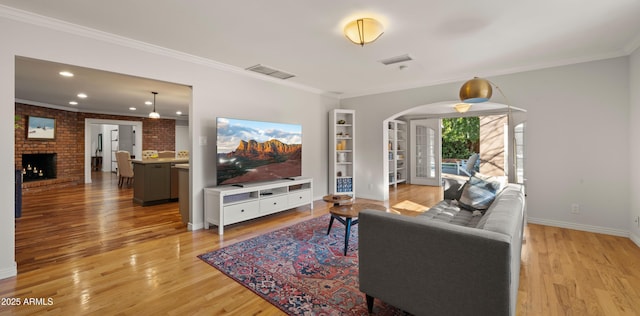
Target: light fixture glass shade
462,107
476,90
154,114
363,31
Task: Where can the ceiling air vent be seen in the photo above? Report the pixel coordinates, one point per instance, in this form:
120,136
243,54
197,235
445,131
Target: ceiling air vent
396,59
262,69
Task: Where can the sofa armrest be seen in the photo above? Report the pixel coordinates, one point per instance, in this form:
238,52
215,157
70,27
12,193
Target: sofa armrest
431,268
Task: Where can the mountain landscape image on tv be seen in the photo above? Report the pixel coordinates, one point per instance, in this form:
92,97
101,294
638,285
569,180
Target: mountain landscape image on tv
252,151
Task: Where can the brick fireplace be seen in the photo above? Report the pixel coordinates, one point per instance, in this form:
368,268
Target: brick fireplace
37,167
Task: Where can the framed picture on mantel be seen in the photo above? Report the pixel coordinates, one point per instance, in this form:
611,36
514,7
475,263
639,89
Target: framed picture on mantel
41,128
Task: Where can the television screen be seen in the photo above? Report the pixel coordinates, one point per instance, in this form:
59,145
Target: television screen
250,151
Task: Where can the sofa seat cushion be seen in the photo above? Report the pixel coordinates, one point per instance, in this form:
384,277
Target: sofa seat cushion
448,211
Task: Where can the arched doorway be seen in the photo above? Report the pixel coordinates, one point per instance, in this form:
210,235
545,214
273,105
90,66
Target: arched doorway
504,127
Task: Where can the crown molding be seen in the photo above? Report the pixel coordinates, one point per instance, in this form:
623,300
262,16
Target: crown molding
77,110
79,30
633,45
48,105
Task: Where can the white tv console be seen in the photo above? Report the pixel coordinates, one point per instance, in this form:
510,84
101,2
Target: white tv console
227,204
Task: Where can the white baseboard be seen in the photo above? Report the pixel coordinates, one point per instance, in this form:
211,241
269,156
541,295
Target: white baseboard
368,197
635,238
8,272
588,228
195,226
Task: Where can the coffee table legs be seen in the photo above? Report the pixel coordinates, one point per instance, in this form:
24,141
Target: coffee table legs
347,222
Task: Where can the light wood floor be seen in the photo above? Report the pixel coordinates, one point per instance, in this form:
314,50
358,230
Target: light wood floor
92,251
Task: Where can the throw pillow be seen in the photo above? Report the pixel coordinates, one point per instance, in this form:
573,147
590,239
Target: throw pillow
499,182
479,193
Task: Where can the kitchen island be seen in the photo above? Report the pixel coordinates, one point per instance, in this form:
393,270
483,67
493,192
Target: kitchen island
155,180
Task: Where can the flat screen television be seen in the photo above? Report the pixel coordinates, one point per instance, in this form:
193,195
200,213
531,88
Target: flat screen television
252,151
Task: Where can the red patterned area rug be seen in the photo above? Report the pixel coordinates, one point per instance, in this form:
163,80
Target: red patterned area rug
300,269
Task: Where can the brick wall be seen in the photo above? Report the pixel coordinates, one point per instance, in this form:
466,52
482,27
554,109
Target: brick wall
158,134
492,144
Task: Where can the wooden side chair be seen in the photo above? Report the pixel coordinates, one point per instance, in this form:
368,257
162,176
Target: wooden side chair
148,154
183,154
167,154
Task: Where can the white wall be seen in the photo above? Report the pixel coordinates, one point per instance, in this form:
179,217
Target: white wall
215,93
577,141
182,137
7,217
634,145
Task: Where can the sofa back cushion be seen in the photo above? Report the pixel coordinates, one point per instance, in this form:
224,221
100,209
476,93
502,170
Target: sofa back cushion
507,207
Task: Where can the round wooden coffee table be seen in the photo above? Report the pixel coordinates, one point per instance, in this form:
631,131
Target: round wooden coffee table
338,199
345,214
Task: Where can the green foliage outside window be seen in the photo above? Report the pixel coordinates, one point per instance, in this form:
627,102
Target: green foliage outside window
460,137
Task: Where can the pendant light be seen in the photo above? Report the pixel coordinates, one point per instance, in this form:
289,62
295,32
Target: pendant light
154,114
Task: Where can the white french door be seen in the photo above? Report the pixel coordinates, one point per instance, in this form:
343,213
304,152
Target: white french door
425,139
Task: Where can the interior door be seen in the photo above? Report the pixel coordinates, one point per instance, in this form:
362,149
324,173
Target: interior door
426,164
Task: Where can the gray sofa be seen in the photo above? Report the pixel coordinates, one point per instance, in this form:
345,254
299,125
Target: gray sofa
448,260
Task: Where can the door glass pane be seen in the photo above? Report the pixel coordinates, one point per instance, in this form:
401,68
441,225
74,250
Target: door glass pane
431,134
421,151
519,144
425,152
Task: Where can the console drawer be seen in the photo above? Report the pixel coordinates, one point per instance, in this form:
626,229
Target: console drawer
273,204
299,197
240,212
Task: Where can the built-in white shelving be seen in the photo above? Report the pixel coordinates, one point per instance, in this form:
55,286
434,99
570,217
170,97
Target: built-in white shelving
397,148
342,151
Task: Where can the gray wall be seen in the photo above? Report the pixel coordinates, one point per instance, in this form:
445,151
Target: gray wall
577,140
125,138
634,145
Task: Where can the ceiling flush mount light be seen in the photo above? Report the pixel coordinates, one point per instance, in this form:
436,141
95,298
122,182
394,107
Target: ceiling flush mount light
462,107
154,114
363,31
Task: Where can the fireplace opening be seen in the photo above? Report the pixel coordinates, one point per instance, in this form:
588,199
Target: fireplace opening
38,167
